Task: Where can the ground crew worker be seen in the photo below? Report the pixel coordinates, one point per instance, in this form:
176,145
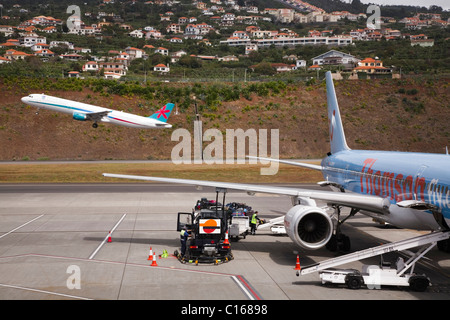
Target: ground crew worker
183,239
253,222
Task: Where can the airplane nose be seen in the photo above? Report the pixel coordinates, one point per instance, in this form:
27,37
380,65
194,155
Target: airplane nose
24,100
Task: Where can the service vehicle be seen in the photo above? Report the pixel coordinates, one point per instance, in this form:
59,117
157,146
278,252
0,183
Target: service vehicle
208,228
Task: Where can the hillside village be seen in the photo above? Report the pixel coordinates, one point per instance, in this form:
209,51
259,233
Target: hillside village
214,23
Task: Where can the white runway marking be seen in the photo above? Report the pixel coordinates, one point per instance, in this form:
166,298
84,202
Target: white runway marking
43,291
23,225
106,238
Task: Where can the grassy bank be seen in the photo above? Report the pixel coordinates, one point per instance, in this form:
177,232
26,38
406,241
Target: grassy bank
92,172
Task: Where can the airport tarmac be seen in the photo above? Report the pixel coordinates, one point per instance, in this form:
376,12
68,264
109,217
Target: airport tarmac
53,246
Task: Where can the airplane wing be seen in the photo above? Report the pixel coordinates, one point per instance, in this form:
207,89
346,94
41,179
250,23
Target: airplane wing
96,116
352,200
293,163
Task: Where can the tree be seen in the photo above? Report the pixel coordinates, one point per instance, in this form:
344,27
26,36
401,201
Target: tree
265,68
189,62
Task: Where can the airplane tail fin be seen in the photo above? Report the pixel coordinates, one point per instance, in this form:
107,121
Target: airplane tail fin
337,136
163,113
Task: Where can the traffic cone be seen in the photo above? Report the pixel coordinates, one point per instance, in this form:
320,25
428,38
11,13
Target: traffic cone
154,264
109,237
226,238
297,266
150,256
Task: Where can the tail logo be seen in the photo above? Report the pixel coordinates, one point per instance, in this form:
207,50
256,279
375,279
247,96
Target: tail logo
162,112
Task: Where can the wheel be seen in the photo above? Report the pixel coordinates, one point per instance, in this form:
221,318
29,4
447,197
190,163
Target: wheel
94,125
354,281
444,245
346,245
419,283
332,244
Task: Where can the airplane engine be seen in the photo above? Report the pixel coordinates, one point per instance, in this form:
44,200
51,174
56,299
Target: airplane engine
309,227
79,116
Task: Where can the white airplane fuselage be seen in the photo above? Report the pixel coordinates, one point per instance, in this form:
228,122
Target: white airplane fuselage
80,111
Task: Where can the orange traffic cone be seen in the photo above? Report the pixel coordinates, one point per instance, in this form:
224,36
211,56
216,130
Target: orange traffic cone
109,237
297,266
150,256
226,239
154,264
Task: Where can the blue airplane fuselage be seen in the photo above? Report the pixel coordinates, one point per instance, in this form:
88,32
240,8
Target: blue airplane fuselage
397,177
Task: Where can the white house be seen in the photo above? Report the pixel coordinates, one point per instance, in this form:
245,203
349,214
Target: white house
175,57
45,53
31,39
113,69
163,51
90,66
137,34
39,46
161,68
153,34
61,43
4,60
240,34
300,64
7,30
176,40
334,57
111,76
250,48
134,53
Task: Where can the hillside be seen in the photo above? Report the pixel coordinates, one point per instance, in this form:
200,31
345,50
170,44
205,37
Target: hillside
404,115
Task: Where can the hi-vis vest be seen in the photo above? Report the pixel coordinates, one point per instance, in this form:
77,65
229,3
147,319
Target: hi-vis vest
253,219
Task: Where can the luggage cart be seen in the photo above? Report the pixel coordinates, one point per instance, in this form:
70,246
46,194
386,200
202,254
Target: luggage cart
377,276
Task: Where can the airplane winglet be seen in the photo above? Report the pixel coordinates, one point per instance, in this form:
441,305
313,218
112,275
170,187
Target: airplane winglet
163,113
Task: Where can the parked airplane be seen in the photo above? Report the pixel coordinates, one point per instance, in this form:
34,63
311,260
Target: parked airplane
83,112
405,189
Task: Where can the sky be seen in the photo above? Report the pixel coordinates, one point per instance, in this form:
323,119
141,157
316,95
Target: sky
445,4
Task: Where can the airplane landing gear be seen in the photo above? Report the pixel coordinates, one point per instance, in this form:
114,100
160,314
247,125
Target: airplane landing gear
94,125
444,245
339,241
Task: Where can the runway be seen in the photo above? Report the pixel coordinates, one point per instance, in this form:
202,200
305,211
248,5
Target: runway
53,245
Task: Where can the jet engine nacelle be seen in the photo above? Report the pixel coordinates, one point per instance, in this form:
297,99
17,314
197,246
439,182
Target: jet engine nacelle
309,227
79,116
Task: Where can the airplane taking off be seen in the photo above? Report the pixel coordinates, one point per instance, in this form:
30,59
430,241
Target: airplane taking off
405,189
83,112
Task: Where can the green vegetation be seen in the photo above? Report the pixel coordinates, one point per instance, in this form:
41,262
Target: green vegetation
211,95
256,66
